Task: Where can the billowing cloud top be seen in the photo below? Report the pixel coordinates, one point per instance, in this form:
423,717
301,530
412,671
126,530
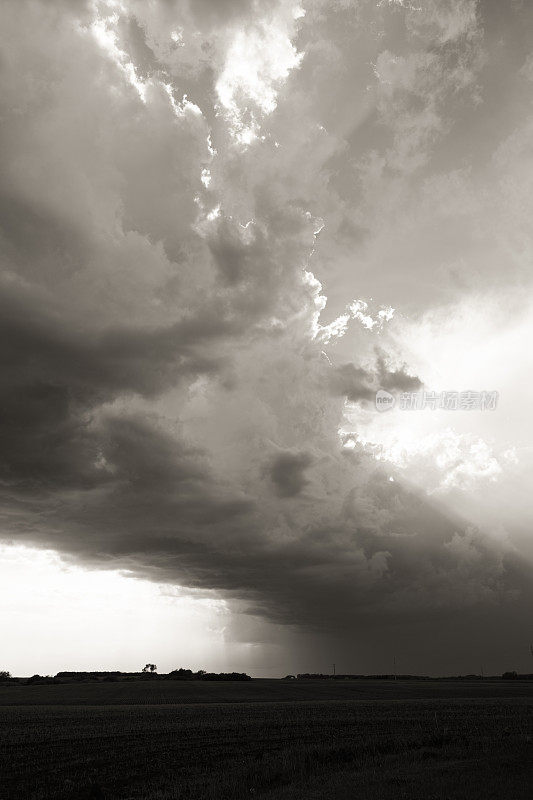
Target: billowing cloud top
182,184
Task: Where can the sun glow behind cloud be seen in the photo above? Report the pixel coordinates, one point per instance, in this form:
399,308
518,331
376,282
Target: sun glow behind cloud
258,60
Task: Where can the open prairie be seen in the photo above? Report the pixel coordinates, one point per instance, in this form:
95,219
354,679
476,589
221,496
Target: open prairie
275,740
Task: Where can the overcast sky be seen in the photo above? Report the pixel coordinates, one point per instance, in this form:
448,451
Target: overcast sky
225,225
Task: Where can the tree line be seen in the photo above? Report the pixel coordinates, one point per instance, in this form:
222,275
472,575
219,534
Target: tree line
148,672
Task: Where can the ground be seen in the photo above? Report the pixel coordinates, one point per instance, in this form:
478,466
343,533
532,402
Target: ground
274,740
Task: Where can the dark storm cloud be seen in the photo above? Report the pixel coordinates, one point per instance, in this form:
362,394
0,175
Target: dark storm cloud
215,12
357,383
233,257
34,238
396,380
163,515
96,366
287,473
133,39
54,378
354,383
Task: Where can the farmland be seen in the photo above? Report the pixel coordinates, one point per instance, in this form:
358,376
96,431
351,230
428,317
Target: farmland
270,739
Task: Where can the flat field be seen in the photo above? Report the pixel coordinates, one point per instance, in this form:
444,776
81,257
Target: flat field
275,740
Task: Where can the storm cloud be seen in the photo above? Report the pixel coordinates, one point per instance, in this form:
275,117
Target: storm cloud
195,199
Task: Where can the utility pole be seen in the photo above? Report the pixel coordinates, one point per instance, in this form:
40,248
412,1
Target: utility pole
333,670
394,663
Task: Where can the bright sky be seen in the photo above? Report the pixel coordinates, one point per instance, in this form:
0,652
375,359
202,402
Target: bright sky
59,616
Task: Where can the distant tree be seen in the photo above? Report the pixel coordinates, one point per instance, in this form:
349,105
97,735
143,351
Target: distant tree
225,676
150,668
42,679
181,674
4,675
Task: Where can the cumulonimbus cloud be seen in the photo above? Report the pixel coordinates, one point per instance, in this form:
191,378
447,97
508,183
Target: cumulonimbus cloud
166,405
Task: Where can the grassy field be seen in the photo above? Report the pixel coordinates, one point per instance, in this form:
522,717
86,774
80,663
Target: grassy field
269,739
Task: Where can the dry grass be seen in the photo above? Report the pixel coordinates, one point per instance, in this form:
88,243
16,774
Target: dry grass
409,748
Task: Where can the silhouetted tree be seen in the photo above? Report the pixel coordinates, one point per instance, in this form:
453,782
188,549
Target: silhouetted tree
4,675
150,668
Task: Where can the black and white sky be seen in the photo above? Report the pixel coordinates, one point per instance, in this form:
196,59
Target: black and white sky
225,224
